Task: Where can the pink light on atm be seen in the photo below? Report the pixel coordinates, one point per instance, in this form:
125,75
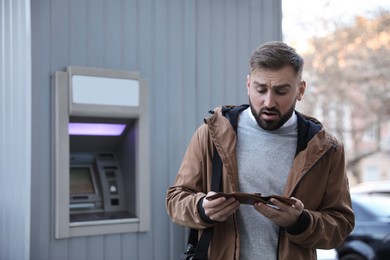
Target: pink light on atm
96,129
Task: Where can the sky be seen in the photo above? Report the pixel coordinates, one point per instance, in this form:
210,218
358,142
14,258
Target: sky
303,19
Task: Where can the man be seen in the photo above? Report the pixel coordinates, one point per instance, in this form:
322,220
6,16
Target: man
266,147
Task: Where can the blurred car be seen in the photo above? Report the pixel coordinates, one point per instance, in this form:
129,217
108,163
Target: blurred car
326,254
371,237
372,187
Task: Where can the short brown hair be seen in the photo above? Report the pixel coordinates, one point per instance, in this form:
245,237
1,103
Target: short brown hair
276,55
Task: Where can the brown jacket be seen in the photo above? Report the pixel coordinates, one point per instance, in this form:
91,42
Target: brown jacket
317,178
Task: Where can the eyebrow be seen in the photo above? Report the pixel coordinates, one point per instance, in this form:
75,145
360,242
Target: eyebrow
284,85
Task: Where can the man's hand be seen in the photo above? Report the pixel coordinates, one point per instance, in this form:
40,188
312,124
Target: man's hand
219,209
285,215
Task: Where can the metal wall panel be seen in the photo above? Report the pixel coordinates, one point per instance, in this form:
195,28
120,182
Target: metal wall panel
15,129
194,55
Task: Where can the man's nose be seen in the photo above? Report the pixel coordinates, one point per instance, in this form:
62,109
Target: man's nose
269,100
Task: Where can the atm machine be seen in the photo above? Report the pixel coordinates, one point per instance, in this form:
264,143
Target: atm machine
101,152
96,187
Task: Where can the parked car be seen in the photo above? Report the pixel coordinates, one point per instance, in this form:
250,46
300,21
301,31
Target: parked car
327,254
371,237
372,187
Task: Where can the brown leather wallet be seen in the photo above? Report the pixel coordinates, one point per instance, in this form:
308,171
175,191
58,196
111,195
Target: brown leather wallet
251,198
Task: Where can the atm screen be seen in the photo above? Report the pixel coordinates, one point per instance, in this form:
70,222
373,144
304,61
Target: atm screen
81,181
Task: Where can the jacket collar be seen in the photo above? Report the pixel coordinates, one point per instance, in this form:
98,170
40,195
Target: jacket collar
307,126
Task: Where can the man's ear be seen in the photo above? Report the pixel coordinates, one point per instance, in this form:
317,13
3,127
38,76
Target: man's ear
301,90
248,83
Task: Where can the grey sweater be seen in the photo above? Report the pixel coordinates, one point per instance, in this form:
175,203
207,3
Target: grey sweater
264,162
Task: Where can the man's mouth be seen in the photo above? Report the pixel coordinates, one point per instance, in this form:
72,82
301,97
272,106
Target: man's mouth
269,115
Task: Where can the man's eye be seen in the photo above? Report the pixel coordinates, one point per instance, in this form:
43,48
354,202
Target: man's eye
281,91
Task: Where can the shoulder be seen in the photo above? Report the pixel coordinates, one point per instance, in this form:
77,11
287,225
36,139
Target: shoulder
227,113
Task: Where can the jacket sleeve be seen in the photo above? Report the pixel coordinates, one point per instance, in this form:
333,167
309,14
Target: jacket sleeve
331,214
192,183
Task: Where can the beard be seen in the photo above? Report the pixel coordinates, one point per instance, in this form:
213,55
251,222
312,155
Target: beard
271,125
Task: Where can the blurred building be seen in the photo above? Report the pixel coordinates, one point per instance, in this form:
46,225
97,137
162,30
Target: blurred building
348,86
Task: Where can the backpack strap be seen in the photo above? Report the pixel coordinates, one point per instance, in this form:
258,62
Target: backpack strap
202,245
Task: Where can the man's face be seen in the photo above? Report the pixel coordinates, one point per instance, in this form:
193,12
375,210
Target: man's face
273,94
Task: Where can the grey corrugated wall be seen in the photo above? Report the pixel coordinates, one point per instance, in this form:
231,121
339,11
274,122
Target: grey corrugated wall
194,55
15,129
